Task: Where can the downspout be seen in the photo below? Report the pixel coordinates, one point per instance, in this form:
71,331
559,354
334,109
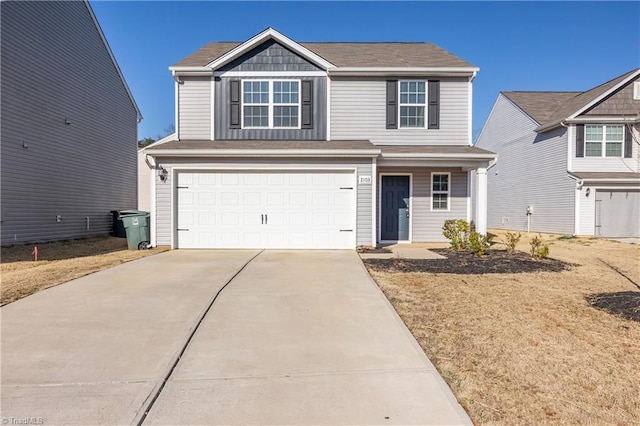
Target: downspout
177,103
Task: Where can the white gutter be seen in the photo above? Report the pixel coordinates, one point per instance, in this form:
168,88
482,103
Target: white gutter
265,152
415,156
403,71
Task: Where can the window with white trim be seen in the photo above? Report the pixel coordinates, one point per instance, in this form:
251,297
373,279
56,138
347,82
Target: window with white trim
413,103
603,140
270,104
440,190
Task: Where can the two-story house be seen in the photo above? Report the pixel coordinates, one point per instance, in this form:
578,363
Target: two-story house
69,124
568,162
281,144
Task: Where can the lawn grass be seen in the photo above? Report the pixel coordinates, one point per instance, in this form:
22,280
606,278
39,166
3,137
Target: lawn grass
59,262
528,348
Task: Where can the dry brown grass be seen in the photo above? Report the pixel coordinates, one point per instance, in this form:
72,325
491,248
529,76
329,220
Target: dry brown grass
59,262
528,348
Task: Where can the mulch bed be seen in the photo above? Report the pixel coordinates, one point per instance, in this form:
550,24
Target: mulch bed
494,262
368,249
625,304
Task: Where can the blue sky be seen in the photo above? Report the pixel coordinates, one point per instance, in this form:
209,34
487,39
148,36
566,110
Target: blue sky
517,45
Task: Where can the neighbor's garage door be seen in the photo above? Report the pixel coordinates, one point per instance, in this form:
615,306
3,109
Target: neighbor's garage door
292,209
617,213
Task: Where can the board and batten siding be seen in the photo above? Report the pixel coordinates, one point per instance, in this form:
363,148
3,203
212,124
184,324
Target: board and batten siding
165,189
318,132
531,171
426,225
194,108
270,56
358,111
607,164
55,67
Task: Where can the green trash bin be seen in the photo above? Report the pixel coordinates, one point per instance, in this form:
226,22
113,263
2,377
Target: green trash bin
136,226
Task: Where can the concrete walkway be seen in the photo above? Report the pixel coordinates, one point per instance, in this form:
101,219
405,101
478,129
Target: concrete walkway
295,338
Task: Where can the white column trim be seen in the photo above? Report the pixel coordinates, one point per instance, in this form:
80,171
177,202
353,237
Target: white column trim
328,125
152,205
576,209
212,106
481,200
374,202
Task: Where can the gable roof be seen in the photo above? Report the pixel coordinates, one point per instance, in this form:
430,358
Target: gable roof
549,109
345,54
339,54
113,59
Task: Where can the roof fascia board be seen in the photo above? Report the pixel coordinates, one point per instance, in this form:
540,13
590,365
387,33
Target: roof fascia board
267,34
168,138
604,95
605,119
462,164
405,71
113,59
265,152
435,156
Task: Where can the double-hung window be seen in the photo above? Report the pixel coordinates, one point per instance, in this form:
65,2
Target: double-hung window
271,104
413,103
603,140
440,191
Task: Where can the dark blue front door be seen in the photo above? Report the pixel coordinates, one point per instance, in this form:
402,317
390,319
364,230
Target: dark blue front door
395,208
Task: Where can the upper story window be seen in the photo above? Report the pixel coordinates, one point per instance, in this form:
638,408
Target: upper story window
271,104
413,104
603,140
413,98
440,191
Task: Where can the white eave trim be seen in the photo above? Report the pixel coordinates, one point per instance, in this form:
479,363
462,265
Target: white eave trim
191,71
435,156
265,152
113,59
599,119
168,138
405,71
267,34
632,76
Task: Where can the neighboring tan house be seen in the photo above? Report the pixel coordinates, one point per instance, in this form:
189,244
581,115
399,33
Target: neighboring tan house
282,144
568,162
69,124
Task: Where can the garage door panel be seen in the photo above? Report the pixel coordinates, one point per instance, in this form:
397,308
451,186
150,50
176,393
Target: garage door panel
304,209
617,213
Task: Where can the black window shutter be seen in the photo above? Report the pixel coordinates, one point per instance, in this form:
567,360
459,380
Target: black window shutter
628,141
234,104
434,105
392,104
579,140
306,115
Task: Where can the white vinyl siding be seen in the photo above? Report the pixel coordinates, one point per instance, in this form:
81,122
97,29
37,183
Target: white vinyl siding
531,171
84,169
607,164
194,114
164,189
358,111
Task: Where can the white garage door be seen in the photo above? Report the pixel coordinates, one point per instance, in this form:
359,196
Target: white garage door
292,209
617,213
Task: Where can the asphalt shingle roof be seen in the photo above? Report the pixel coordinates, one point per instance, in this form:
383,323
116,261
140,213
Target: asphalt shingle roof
549,108
350,54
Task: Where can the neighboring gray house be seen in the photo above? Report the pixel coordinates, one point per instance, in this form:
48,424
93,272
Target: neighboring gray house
282,144
69,124
568,162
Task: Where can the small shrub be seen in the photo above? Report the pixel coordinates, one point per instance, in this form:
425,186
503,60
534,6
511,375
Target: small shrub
479,243
457,231
512,239
539,250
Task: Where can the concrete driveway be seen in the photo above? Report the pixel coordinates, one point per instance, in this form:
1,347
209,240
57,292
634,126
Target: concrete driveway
296,337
